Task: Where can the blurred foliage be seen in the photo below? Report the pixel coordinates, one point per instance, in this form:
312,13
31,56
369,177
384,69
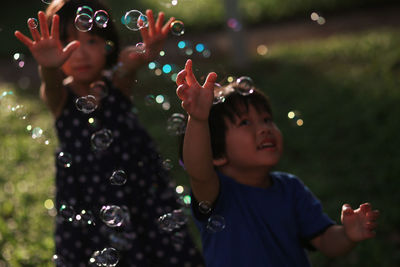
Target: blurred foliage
196,14
346,89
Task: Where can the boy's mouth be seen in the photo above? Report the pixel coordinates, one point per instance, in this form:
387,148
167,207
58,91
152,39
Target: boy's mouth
266,144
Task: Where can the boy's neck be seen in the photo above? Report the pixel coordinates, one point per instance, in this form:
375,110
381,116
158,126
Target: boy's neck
254,177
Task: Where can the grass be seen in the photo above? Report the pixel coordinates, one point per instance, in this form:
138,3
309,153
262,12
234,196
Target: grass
346,88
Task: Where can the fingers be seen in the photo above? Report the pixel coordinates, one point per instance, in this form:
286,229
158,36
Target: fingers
44,28
34,31
55,27
159,22
366,207
210,81
347,210
190,78
180,78
181,91
373,215
23,38
71,47
150,17
165,29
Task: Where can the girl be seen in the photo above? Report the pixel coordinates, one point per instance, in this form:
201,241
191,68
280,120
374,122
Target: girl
95,145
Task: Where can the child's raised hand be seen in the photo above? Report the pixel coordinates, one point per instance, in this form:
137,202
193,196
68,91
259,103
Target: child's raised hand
153,36
46,47
196,99
359,224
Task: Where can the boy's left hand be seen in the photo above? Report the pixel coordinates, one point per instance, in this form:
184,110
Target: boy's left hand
359,224
153,37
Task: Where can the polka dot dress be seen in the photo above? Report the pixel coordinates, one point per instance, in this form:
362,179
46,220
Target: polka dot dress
85,187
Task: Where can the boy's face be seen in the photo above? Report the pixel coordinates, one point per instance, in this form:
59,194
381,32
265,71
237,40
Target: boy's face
253,141
87,62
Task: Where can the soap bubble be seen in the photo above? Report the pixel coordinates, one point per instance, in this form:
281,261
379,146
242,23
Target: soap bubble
205,207
102,139
112,215
83,22
99,89
132,18
64,159
108,257
142,21
216,223
37,132
118,177
176,124
87,10
218,94
177,28
86,104
101,18
167,164
140,48
32,23
244,85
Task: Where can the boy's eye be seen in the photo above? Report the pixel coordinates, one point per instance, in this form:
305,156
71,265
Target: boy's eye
267,120
244,122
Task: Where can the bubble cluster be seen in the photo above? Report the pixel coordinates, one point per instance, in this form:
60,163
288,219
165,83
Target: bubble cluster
112,215
85,217
19,60
67,212
118,177
101,140
177,28
295,117
58,261
86,104
215,223
244,85
176,124
317,18
64,159
134,20
108,257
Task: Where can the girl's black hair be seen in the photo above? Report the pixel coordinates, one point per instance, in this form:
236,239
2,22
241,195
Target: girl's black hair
67,10
234,105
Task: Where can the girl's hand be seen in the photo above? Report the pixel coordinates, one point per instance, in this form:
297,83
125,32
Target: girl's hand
47,48
196,99
359,224
153,36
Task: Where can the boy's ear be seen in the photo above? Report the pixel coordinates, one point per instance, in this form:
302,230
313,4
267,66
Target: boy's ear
220,161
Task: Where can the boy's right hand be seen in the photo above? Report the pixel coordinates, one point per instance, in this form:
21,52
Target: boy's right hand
47,48
196,99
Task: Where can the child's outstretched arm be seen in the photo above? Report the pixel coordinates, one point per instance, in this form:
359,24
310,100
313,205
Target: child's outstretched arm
50,54
131,58
197,154
357,225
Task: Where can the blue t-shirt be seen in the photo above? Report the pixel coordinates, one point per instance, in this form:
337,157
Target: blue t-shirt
263,226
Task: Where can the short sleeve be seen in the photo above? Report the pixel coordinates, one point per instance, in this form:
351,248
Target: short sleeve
312,221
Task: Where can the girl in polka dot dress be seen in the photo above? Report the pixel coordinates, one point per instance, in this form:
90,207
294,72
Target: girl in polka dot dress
97,142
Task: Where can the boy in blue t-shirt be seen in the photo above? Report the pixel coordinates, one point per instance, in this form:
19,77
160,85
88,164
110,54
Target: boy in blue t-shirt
248,215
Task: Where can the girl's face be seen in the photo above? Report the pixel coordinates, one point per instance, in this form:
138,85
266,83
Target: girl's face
88,61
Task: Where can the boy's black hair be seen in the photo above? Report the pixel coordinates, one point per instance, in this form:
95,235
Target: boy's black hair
67,10
234,105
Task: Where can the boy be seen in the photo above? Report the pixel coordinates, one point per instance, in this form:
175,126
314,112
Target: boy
229,150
